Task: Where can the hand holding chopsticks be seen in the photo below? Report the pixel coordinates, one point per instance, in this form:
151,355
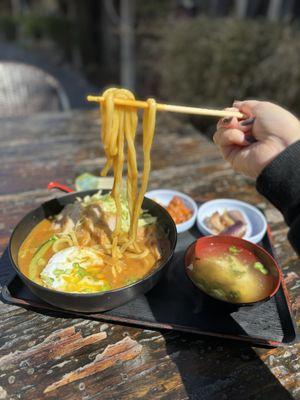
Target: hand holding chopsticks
173,108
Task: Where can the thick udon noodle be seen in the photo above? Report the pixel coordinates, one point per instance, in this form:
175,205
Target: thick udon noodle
119,125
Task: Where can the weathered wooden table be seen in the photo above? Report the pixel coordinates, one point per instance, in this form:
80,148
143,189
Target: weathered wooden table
42,356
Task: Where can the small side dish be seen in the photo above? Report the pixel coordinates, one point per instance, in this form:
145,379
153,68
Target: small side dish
182,208
231,217
178,210
227,223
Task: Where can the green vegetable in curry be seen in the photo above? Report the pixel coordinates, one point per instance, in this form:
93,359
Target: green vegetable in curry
39,254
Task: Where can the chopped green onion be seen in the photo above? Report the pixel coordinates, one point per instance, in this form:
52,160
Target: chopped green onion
234,250
47,279
105,287
218,293
58,272
233,295
260,267
79,271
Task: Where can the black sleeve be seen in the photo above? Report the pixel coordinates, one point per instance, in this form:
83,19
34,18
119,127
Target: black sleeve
279,182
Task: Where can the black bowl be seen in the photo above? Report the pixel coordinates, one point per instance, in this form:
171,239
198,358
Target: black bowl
90,302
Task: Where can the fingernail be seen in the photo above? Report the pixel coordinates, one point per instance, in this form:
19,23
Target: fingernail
248,121
227,120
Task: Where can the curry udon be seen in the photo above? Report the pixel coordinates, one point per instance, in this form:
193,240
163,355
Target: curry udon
102,242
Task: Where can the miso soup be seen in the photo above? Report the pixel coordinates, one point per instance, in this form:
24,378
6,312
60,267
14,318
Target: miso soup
231,273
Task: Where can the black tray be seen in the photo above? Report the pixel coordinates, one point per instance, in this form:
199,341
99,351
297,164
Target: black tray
175,304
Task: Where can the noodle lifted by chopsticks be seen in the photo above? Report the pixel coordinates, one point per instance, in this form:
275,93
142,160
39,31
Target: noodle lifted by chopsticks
119,124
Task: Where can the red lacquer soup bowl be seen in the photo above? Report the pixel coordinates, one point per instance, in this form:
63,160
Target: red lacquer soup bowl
216,264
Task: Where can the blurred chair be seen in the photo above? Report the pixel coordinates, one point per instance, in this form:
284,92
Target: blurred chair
26,89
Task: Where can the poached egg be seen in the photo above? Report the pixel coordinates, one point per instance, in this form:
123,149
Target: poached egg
75,269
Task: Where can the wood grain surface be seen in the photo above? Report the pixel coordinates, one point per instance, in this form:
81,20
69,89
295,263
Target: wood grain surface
45,357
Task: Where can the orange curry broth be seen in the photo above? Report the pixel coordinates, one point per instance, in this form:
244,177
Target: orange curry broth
132,269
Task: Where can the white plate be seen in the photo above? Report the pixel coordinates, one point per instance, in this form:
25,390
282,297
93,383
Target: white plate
256,222
164,196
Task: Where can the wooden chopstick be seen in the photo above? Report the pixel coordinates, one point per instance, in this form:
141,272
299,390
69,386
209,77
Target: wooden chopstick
172,108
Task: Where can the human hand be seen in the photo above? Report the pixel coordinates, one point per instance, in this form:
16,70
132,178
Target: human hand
252,144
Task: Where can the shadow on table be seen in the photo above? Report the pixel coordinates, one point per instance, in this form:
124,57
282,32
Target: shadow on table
220,370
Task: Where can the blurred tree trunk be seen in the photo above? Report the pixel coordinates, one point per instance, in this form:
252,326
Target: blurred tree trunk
75,48
109,20
241,8
127,42
274,10
85,40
